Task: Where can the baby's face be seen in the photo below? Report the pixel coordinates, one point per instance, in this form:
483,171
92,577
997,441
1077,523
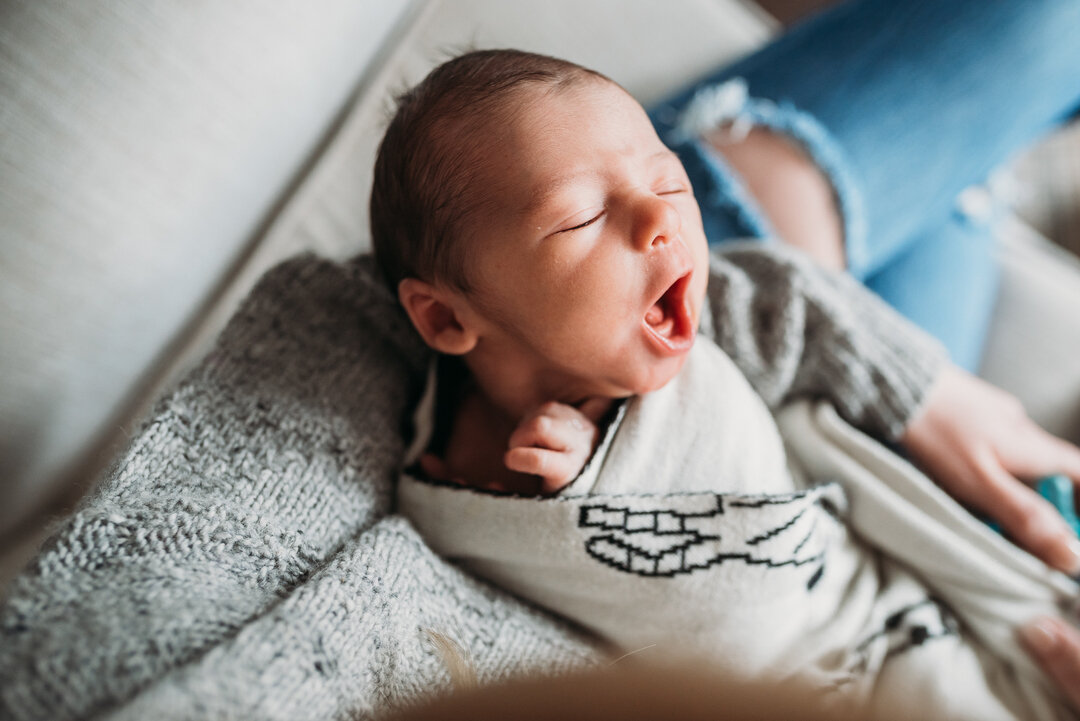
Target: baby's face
590,261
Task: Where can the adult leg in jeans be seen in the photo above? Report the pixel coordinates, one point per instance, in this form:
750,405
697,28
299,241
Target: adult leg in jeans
914,102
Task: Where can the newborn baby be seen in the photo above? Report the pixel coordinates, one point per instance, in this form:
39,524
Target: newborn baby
543,239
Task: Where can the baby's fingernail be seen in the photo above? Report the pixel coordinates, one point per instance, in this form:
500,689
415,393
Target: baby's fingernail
1041,636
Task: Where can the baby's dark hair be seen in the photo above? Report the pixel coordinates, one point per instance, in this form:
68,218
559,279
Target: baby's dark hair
426,162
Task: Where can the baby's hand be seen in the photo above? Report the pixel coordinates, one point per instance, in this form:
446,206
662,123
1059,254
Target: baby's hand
555,441
978,443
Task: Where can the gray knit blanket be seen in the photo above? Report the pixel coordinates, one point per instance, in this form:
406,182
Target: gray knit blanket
242,558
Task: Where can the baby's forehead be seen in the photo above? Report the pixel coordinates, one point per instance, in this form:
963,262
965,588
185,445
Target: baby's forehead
525,120
522,114
535,138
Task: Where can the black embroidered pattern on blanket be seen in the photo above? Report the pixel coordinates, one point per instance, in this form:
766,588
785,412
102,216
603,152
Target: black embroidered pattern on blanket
907,628
662,542
913,625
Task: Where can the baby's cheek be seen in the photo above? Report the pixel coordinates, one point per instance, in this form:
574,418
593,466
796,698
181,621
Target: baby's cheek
596,300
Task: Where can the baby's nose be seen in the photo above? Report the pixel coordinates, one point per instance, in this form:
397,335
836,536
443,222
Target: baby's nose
658,221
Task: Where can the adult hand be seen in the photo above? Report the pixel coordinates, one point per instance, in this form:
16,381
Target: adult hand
978,443
1055,646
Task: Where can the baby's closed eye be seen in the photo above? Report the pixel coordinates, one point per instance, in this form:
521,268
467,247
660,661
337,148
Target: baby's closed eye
583,224
671,188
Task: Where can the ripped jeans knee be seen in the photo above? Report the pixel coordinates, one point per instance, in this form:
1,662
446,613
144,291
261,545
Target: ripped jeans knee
726,110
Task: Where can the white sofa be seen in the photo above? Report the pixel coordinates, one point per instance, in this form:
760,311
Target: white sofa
158,157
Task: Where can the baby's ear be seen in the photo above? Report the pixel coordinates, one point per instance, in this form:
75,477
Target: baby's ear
439,314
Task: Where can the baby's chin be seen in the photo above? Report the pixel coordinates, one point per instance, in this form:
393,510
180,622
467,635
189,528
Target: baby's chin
662,372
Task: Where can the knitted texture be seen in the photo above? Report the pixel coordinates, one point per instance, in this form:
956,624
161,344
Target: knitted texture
353,641
242,561
797,330
231,506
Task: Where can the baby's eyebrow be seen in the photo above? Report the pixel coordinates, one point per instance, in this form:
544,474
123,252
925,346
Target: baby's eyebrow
540,198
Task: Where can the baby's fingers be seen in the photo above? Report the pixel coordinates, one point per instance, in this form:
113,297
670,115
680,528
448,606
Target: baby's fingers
555,426
555,468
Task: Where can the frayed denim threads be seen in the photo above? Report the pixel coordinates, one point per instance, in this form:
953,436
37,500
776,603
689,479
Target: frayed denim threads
729,106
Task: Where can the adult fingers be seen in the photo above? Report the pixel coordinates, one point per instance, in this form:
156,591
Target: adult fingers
1031,521
1046,455
1070,459
1055,646
1066,459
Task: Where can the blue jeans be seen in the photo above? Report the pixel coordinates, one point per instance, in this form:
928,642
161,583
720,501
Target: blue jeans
903,105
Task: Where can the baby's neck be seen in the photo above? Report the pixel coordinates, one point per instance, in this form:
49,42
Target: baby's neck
514,393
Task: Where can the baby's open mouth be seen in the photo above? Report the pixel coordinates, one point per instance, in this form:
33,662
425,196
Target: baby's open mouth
669,321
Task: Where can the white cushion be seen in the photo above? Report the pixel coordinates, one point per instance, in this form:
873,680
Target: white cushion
142,146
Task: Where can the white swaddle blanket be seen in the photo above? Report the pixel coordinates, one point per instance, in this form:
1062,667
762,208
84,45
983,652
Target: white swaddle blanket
690,531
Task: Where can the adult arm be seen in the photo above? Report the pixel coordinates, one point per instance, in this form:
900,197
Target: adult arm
796,329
